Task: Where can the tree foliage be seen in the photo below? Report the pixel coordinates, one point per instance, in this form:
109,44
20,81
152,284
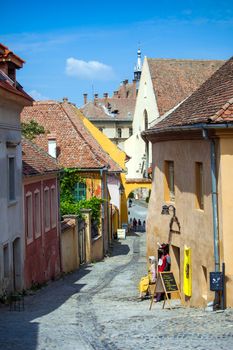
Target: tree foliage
31,129
68,203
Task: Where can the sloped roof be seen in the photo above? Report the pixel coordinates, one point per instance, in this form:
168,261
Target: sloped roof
5,82
174,80
211,103
36,161
115,109
76,147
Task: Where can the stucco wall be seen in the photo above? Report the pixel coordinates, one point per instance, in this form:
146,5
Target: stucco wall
69,249
225,212
196,225
135,146
11,216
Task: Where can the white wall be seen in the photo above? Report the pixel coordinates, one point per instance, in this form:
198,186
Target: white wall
11,216
113,184
135,146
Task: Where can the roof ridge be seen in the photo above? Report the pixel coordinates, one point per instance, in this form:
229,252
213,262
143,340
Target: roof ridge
62,104
186,59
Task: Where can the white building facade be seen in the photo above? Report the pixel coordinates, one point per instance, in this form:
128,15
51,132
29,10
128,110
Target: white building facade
12,101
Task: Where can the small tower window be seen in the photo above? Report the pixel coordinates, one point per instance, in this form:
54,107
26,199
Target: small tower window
119,133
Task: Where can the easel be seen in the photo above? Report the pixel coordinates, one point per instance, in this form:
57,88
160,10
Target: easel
166,284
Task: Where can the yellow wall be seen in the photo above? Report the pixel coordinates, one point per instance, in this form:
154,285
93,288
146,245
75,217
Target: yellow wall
69,250
119,157
196,225
226,211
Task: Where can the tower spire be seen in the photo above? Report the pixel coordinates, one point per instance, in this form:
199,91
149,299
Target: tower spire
138,66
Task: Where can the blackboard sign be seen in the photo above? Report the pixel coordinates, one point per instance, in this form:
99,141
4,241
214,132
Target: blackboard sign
169,282
216,281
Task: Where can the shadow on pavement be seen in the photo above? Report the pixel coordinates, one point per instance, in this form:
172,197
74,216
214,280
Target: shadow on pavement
19,329
119,248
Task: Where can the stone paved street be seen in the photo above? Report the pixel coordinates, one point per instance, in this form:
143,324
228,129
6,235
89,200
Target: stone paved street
98,308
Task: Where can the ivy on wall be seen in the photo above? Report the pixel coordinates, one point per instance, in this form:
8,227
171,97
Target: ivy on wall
68,203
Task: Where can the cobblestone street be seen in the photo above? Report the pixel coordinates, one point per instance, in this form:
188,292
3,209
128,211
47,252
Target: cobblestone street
98,308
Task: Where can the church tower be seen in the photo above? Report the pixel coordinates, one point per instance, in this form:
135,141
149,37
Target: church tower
138,67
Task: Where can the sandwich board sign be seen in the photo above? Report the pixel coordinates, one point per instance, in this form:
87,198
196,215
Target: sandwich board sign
166,284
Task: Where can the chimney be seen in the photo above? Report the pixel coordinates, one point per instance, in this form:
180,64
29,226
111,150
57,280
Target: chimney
85,98
65,99
95,99
9,62
134,88
105,98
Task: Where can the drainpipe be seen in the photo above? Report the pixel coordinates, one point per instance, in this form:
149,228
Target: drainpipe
214,199
214,205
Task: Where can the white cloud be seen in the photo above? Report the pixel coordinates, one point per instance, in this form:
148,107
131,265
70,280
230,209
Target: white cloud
92,70
37,95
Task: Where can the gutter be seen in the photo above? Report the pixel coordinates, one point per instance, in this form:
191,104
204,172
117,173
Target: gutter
197,126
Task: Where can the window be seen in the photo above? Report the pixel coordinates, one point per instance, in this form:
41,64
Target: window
11,178
119,133
80,191
145,120
37,213
199,185
53,207
6,260
130,131
46,209
52,148
29,216
169,181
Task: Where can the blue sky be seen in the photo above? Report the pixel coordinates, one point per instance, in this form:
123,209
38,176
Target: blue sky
72,47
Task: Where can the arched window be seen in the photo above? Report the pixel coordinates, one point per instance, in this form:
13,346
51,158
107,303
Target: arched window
145,120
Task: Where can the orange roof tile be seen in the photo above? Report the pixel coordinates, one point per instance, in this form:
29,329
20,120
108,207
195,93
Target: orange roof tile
36,161
174,79
77,148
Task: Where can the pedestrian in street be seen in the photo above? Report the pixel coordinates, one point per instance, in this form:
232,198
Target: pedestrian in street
139,225
134,224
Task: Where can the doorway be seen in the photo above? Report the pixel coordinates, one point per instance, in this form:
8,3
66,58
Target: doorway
175,263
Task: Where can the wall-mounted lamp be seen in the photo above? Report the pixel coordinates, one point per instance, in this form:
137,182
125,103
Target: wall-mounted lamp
166,209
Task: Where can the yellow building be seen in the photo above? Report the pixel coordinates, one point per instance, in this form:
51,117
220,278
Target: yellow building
192,151
120,157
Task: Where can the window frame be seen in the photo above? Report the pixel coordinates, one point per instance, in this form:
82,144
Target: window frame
47,213
77,191
199,186
37,213
169,181
53,199
10,179
29,217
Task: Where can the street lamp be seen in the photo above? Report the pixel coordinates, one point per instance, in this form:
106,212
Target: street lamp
166,209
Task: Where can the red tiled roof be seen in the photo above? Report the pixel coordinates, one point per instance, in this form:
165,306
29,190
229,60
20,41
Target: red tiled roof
211,103
77,148
174,80
36,161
